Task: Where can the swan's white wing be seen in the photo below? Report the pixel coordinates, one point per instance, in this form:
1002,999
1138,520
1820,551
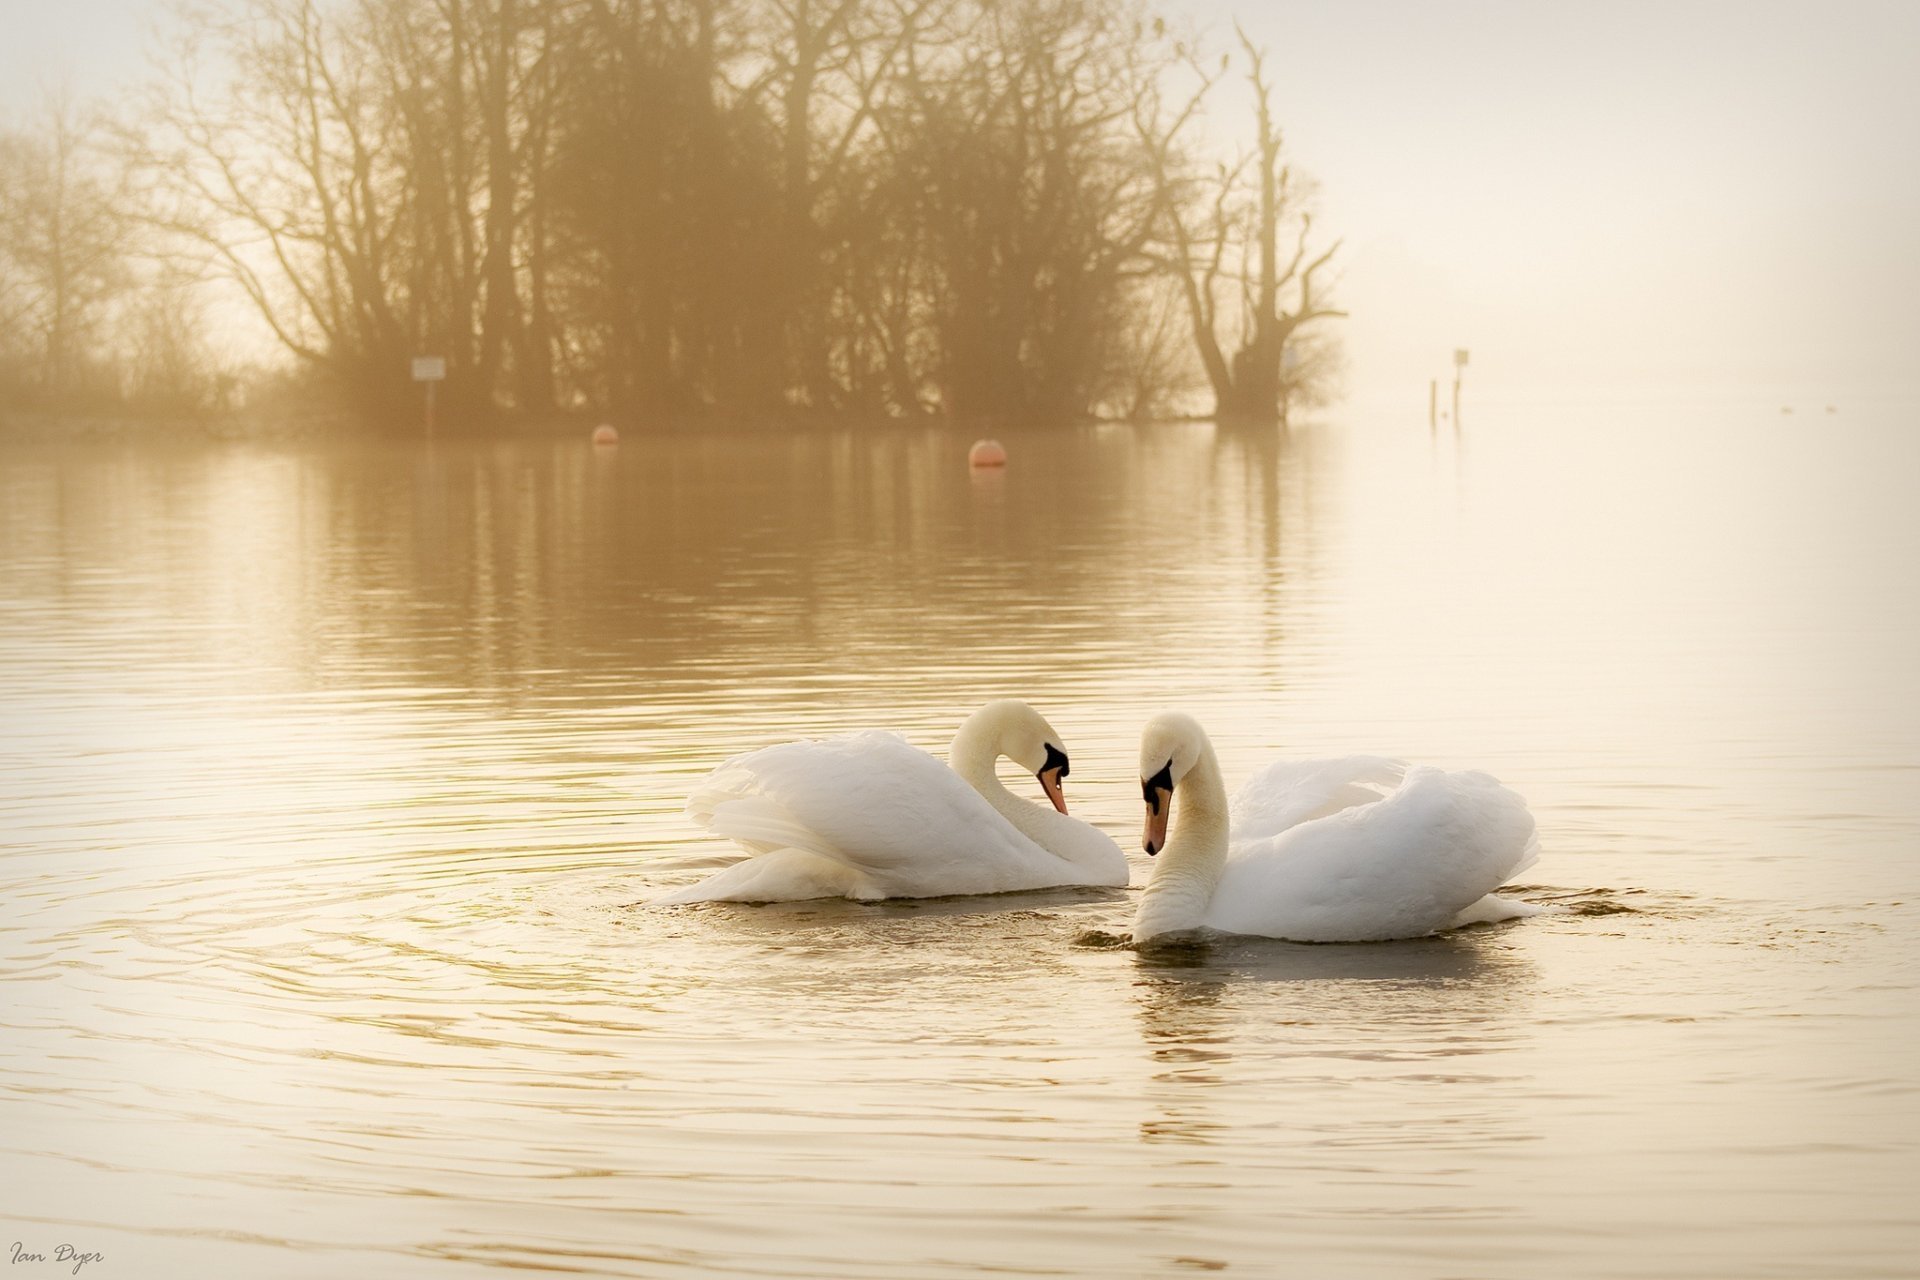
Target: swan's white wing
1289,792
1400,867
874,817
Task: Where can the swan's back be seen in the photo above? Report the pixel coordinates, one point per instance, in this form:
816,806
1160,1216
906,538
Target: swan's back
866,816
832,796
1289,792
1397,866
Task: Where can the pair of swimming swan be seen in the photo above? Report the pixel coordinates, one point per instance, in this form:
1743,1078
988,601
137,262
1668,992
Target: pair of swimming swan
1358,849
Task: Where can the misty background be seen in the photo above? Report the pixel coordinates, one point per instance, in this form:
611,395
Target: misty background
1621,199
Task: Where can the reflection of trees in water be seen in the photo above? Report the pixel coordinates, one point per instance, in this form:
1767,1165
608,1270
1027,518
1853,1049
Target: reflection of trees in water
822,574
1239,1015
1282,478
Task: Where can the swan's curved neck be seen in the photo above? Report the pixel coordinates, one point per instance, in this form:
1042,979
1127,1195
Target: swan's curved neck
973,755
1188,869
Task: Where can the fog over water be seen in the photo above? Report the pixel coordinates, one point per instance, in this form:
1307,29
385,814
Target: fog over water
1694,195
1674,195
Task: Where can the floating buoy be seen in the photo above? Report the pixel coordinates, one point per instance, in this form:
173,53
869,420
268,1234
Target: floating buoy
605,434
987,453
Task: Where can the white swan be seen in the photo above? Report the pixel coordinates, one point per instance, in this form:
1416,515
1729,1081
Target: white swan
1351,850
868,816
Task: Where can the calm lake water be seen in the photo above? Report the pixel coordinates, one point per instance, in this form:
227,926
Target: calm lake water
337,780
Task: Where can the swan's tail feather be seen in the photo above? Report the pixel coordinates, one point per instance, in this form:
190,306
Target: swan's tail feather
1528,855
1494,820
787,859
760,825
785,874
730,781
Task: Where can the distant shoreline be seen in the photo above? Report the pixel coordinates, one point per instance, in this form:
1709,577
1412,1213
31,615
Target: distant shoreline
47,427
52,427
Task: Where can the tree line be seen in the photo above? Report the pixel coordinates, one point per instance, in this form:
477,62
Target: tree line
673,210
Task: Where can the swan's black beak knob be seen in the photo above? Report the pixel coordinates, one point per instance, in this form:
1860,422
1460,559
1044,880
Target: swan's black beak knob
1056,759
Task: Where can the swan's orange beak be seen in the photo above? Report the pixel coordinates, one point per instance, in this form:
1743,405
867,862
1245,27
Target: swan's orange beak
1050,783
1159,805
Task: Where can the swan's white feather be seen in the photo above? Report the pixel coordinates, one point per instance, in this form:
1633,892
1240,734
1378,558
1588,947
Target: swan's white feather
1361,866
1289,792
868,816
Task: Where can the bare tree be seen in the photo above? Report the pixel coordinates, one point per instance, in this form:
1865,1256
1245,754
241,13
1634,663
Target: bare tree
65,241
724,208
168,364
277,178
468,87
359,174
1152,370
824,68
663,189
1223,231
1034,204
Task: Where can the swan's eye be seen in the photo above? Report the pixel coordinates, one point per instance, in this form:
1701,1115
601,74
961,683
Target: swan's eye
1056,759
1152,787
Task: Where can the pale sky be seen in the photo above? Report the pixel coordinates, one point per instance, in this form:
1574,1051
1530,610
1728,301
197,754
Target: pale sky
1619,195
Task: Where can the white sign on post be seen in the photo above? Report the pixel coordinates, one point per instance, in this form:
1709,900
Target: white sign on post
1459,359
431,370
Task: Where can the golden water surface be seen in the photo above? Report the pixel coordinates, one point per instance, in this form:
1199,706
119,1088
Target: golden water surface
337,779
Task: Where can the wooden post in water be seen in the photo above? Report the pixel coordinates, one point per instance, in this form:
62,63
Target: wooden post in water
1433,406
1459,363
430,370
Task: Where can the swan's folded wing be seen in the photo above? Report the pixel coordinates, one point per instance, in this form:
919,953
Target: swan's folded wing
888,811
1400,867
1290,792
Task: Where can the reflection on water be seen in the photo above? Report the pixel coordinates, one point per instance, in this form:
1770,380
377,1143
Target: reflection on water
337,780
1313,1018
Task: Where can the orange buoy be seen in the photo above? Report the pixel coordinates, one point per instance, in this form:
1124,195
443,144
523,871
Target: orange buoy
987,453
605,434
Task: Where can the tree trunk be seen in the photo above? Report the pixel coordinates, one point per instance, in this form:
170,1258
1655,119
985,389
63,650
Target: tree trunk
500,307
